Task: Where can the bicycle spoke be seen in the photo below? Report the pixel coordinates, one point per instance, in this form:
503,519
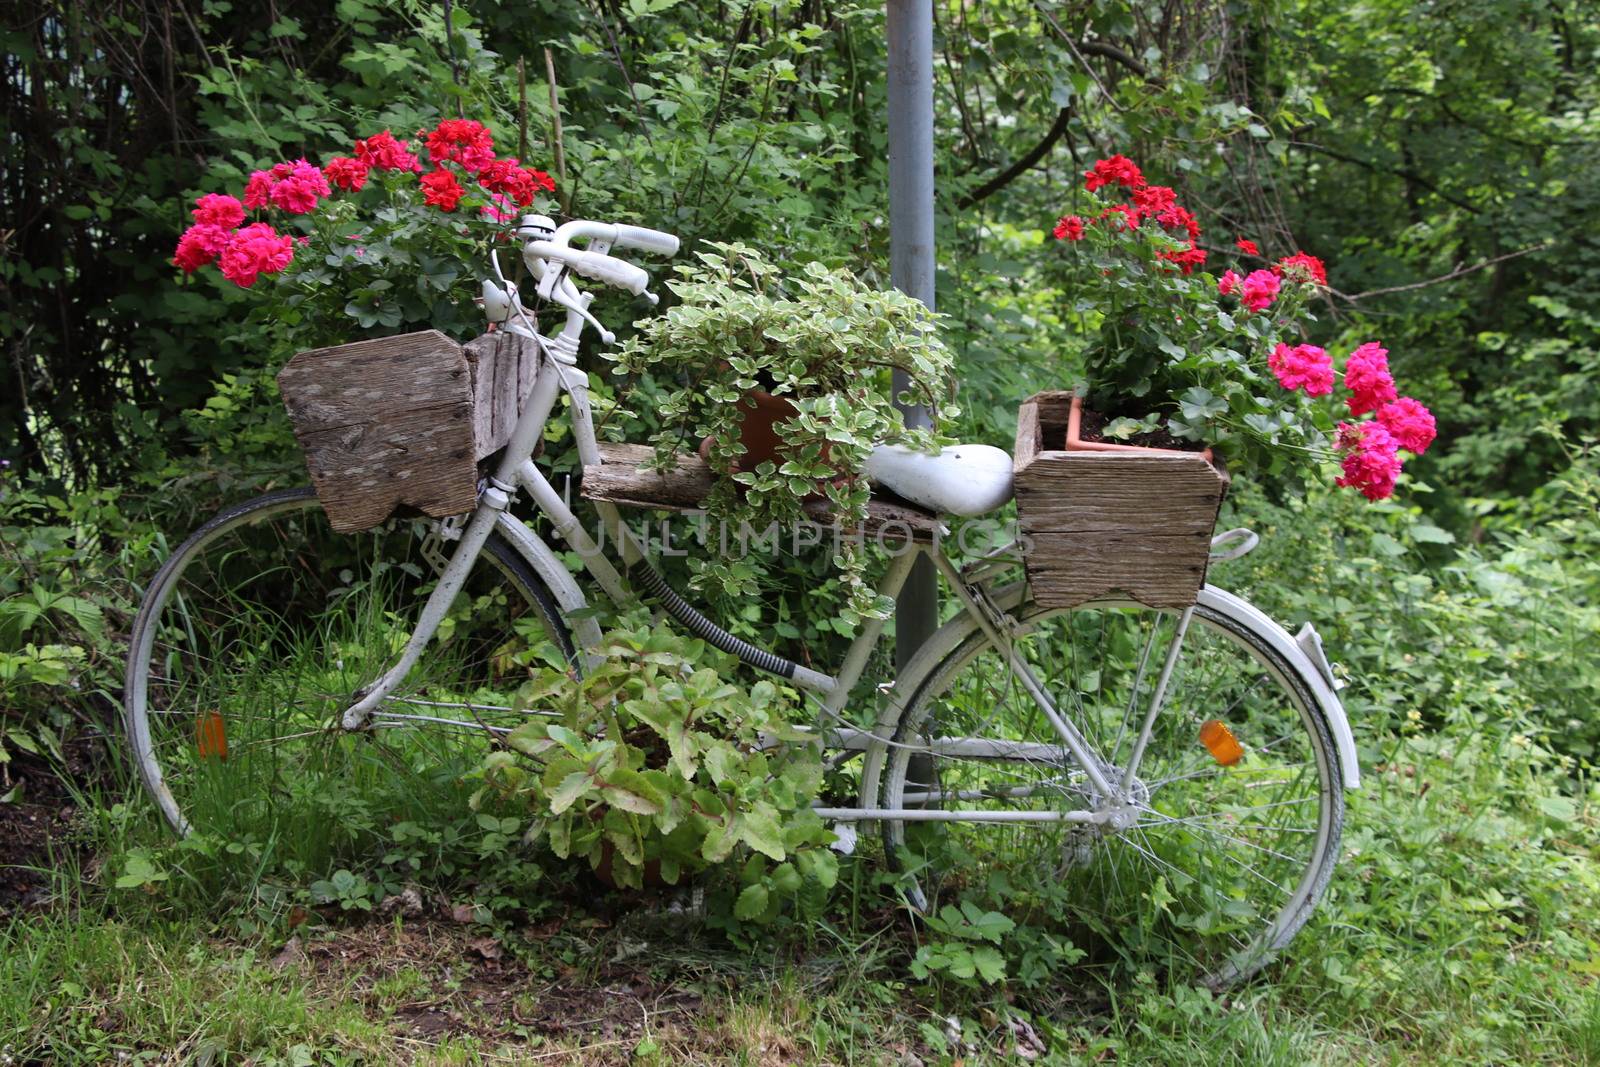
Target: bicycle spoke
1233,842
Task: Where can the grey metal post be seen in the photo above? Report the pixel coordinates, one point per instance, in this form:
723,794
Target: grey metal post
911,263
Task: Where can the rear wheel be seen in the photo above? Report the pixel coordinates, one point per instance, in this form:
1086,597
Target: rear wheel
1236,806
256,633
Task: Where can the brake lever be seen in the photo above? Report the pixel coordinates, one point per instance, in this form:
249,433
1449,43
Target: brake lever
566,294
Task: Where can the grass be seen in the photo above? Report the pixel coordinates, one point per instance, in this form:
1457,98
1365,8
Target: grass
1459,929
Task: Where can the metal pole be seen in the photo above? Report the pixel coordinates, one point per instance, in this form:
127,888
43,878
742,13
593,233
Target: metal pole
911,262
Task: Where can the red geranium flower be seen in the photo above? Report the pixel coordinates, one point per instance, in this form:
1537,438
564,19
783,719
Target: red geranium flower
346,172
383,152
1126,212
1153,199
1188,259
1302,267
462,141
1068,228
1118,170
441,189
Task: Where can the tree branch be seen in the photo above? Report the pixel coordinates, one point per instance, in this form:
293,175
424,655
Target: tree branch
1398,172
1458,272
1111,51
1023,164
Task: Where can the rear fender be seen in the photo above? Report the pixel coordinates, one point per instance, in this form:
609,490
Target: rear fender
1304,651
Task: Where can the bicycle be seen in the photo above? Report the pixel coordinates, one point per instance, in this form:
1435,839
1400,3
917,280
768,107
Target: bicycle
273,662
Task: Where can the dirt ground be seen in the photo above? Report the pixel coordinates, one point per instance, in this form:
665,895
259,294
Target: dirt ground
36,827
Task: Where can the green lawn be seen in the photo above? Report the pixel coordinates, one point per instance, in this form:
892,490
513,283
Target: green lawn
1461,928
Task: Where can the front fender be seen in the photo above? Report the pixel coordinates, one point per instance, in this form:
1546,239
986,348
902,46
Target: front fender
548,566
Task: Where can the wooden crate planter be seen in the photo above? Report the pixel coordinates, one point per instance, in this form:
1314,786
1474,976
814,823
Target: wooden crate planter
1133,522
404,420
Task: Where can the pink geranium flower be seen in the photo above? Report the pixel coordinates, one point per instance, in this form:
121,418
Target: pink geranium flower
200,244
1259,289
1410,422
1227,283
1305,367
215,209
258,190
255,250
300,189
1371,462
1366,375
500,208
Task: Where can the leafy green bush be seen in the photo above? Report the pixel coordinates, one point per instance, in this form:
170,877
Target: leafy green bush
661,768
1494,636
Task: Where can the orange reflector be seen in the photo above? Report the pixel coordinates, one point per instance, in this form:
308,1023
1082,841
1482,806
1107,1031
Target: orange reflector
1221,743
211,736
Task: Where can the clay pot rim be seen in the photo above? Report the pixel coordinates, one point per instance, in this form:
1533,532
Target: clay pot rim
1076,443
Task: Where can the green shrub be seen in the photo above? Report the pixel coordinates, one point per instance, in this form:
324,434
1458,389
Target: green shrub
660,766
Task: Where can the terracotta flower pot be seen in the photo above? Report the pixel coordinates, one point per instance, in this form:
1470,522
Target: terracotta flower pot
608,852
1076,443
758,428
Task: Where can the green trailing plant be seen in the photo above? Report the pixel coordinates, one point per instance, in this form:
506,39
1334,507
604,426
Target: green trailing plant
661,766
823,340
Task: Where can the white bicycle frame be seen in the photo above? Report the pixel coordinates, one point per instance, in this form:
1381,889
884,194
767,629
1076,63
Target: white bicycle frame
557,373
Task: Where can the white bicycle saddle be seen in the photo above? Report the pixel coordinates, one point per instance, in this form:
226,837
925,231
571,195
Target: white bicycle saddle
961,480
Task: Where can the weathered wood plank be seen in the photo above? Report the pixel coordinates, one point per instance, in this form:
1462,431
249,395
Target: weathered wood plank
502,367
1103,523
622,478
383,423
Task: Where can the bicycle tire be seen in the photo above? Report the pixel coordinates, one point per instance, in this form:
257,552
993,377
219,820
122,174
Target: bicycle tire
210,663
1133,896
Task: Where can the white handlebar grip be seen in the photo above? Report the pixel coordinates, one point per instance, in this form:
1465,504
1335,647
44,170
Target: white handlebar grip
612,271
647,239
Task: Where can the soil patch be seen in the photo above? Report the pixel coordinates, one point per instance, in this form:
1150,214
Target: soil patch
431,980
1092,424
36,825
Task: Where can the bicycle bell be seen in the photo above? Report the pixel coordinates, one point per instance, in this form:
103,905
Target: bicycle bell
536,228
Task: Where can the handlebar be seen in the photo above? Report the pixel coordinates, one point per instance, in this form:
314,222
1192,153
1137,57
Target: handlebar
546,245
596,265
639,237
646,239
612,271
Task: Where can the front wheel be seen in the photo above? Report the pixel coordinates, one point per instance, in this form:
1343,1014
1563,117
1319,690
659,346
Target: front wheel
1232,825
256,634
